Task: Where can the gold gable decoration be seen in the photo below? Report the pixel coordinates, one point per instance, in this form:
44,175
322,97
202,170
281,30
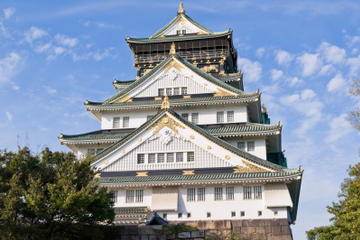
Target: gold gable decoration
165,104
181,8
173,64
221,93
249,168
173,49
166,121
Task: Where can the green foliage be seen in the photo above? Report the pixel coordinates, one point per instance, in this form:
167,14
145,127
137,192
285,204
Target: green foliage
51,195
346,212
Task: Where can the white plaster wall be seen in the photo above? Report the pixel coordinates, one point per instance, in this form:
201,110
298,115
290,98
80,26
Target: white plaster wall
136,118
182,25
83,149
260,145
121,198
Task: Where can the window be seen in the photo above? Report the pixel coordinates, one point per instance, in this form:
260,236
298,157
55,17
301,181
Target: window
148,117
257,192
126,122
116,122
164,215
250,146
170,157
161,157
161,92
183,31
140,158
242,213
169,91
208,214
179,157
139,195
189,215
201,194
151,158
91,151
177,91
233,214
178,32
220,117
259,213
275,213
230,193
184,90
230,116
190,156
115,194
179,215
190,194
185,116
241,146
218,193
247,192
129,196
195,118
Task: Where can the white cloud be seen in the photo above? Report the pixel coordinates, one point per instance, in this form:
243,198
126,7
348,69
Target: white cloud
9,67
34,33
283,57
336,83
50,90
252,70
98,56
307,94
294,81
276,74
339,127
310,63
8,12
260,52
59,50
352,40
43,48
326,70
332,53
9,116
354,64
66,41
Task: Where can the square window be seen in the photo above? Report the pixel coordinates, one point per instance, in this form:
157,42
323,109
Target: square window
176,91
190,197
230,116
126,122
161,157
190,156
220,117
185,116
161,92
139,195
230,193
151,158
257,192
242,213
233,214
241,146
130,196
195,118
247,192
179,215
179,157
141,158
208,214
218,193
189,215
170,157
184,90
169,91
201,194
251,146
116,122
259,213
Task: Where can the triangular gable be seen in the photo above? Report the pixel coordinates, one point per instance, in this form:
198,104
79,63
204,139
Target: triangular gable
172,69
167,125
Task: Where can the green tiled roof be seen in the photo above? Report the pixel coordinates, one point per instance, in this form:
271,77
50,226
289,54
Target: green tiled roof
242,128
96,135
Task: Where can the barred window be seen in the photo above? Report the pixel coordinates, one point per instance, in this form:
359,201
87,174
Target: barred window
220,117
190,156
241,146
115,194
179,157
116,122
230,116
230,193
201,194
126,122
170,157
183,31
161,92
151,158
169,91
185,116
140,158
191,194
251,146
218,193
129,196
161,157
247,192
176,91
139,195
257,192
184,90
195,118
178,32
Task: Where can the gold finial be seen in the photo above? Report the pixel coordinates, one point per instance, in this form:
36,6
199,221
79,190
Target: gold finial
165,104
264,108
173,48
181,8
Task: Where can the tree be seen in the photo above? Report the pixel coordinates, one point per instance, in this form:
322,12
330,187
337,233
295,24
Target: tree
51,195
346,212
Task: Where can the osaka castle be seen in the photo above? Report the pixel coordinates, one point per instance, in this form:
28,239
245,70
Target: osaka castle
184,139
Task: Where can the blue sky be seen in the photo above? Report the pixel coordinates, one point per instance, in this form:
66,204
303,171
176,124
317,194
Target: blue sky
302,55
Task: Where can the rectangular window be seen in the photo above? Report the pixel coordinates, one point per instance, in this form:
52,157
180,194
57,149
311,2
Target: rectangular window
241,146
195,118
178,32
179,215
169,91
230,193
115,194
208,214
247,193
139,195
257,192
251,146
148,117
230,116
116,122
183,31
201,194
220,117
242,213
141,158
161,92
233,214
129,196
190,194
190,156
218,193
170,157
185,116
179,157
176,91
184,90
259,213
126,122
151,158
164,215
161,157
189,215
